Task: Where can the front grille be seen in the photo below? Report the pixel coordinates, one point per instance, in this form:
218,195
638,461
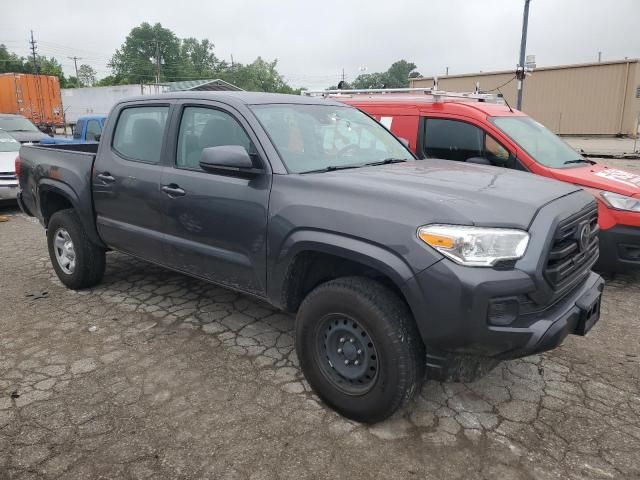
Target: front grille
574,249
8,176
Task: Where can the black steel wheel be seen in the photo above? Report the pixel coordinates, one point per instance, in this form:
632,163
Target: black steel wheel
351,356
359,348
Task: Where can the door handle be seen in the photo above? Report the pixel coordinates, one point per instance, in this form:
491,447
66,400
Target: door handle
106,177
173,190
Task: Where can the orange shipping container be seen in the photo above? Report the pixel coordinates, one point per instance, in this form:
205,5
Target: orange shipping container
37,97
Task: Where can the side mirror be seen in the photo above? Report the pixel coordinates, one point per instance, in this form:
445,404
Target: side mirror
226,157
404,141
97,136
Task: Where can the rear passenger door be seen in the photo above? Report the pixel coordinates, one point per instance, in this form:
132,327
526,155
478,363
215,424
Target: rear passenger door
126,181
216,222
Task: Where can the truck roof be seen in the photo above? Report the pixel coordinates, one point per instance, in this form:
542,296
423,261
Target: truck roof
232,97
427,102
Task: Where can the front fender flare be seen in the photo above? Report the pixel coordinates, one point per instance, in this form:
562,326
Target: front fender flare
357,250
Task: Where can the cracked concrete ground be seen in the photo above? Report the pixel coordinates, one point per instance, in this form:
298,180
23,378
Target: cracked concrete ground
156,375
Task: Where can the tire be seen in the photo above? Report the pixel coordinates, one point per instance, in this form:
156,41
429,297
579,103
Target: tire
377,328
88,266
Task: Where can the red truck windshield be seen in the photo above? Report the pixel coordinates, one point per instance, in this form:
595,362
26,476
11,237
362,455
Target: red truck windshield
544,146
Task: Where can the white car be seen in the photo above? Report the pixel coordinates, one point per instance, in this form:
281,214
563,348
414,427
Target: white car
9,148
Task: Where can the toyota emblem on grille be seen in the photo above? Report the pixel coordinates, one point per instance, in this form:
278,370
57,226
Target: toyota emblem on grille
585,236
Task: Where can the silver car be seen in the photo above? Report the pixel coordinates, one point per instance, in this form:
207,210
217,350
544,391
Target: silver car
9,148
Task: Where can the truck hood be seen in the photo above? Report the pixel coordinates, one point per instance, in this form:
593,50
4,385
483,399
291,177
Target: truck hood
442,191
27,137
603,178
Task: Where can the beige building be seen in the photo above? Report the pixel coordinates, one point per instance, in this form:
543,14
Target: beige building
583,99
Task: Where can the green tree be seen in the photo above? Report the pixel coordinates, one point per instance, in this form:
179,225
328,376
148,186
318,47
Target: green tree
86,75
135,60
397,76
198,58
260,76
108,81
10,62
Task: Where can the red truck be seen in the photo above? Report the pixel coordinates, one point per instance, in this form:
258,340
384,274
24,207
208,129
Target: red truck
475,128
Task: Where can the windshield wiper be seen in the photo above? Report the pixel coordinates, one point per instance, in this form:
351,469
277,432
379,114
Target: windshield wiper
387,161
580,160
333,168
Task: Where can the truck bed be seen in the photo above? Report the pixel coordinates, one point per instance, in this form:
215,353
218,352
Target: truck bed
48,169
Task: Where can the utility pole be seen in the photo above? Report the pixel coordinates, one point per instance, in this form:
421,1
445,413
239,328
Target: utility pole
447,70
157,66
520,71
343,75
599,57
36,116
33,52
75,63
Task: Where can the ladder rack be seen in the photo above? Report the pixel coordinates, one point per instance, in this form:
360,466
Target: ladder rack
438,95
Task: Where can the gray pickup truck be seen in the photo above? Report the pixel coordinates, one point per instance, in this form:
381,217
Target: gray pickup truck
393,266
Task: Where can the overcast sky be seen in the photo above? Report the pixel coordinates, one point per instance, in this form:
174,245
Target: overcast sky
313,43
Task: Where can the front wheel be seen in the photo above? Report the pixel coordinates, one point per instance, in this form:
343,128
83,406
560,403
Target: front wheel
77,261
359,348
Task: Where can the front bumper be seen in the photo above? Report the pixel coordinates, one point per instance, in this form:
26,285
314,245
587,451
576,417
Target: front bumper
619,249
454,309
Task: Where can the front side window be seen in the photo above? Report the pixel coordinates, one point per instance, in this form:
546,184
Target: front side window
93,131
315,137
139,133
544,146
495,152
201,128
461,141
452,140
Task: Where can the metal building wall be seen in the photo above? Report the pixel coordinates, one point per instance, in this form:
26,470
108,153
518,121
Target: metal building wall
98,100
587,99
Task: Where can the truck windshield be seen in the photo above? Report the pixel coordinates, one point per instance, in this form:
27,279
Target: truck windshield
544,146
17,124
8,143
313,138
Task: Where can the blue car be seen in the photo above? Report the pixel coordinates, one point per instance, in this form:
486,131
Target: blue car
87,130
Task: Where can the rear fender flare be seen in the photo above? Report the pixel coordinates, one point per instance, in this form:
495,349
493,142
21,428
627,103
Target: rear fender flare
85,212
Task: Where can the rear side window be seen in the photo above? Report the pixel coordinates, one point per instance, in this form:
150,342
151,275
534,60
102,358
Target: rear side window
452,140
206,127
93,130
77,131
139,133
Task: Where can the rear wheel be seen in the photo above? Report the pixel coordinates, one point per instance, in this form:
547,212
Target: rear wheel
359,348
76,260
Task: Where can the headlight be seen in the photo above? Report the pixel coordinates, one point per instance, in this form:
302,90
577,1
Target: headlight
475,246
621,202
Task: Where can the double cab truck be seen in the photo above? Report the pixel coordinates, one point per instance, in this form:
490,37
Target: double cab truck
473,128
87,129
392,266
